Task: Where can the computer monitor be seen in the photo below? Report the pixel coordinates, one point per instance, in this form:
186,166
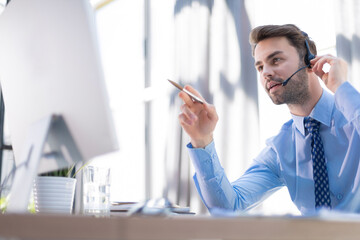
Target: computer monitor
50,64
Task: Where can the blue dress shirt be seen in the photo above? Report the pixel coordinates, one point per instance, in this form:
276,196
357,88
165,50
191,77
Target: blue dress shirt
286,161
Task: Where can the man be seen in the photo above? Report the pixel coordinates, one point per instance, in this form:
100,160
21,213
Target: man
315,155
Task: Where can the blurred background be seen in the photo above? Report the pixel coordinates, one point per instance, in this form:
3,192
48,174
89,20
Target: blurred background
203,43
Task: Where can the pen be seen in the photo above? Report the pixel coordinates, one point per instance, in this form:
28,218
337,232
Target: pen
195,98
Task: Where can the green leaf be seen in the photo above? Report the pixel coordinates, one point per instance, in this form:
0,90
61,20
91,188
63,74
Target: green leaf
3,203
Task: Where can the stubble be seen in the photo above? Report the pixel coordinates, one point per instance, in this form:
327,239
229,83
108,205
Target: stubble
295,92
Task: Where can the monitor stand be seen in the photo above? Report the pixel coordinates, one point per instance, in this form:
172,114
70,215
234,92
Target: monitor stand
50,133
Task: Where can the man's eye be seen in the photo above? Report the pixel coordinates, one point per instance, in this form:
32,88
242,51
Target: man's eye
275,60
260,68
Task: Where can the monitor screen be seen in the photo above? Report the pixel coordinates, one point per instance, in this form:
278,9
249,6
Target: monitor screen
50,64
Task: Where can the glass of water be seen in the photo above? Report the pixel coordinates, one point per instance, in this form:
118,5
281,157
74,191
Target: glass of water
96,191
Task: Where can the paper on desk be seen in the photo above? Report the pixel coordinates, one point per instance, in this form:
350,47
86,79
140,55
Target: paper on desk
122,206
129,206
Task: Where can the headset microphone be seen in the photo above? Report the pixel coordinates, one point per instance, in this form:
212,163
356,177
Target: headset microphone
308,57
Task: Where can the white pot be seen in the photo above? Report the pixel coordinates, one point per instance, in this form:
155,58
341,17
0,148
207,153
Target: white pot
54,194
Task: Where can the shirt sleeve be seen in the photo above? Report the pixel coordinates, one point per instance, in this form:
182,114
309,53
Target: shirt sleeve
347,100
215,190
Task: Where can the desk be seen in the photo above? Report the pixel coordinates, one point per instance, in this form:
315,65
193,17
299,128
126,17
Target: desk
182,227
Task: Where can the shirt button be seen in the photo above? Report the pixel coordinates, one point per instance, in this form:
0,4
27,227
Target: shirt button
339,196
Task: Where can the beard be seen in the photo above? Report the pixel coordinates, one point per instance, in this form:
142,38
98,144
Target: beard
295,92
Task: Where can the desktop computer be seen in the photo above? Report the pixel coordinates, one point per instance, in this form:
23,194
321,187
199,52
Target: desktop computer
50,70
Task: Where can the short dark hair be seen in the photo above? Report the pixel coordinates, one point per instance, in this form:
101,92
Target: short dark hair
291,32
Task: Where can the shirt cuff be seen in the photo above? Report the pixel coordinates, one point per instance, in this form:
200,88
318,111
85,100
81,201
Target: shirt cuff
347,100
205,161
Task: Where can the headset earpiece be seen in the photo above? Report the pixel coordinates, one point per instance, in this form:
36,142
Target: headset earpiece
308,56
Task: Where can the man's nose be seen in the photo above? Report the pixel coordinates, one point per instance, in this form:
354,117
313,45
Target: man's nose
267,71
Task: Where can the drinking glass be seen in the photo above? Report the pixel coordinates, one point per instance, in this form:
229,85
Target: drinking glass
96,190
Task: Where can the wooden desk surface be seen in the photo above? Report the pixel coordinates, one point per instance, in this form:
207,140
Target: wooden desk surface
178,227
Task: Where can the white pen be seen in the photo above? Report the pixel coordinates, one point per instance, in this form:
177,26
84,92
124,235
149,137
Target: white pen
195,98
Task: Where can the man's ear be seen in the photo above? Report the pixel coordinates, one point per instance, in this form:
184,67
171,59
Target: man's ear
309,70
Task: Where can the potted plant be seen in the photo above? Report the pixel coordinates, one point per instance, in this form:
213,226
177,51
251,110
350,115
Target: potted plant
54,191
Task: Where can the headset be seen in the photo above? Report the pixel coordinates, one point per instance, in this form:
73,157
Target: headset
308,57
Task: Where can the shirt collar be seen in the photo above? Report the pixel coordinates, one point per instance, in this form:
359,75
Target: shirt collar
322,112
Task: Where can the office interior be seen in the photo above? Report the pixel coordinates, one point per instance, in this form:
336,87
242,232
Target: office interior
203,43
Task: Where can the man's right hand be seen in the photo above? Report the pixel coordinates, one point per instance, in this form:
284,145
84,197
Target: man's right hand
198,120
